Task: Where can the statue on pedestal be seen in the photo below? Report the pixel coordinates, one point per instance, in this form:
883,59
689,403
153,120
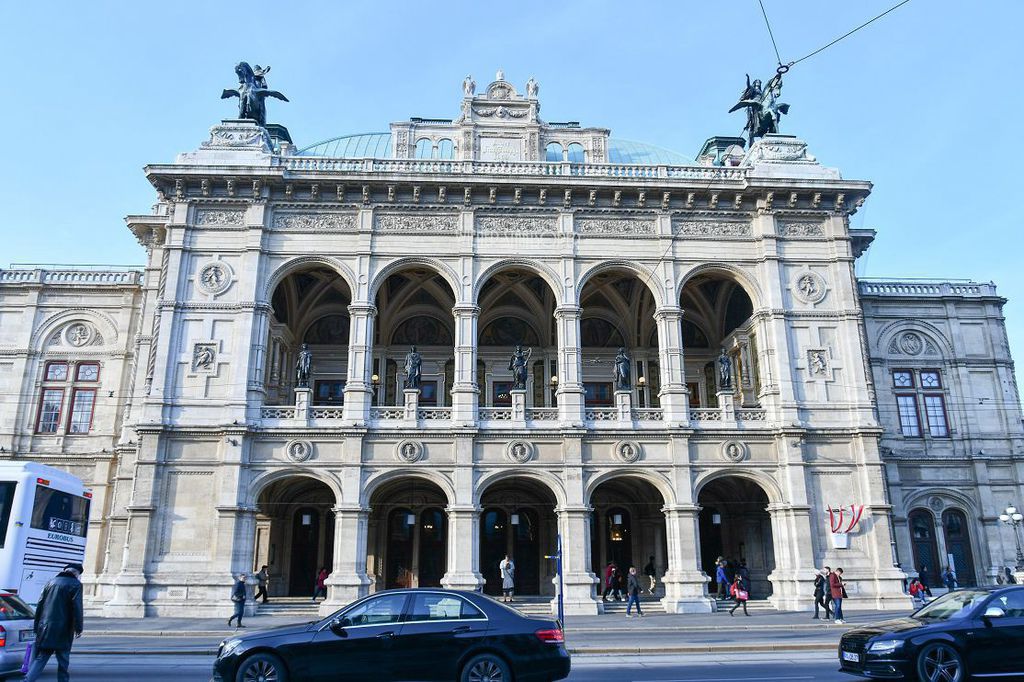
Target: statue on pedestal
251,93
764,111
724,371
303,365
413,368
623,371
518,364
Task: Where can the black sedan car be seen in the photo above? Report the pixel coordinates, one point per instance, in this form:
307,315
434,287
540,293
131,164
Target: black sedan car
972,632
400,635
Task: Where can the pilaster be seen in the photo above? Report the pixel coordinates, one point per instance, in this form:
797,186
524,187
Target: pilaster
465,392
358,389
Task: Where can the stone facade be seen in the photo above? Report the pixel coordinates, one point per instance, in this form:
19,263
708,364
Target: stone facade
207,458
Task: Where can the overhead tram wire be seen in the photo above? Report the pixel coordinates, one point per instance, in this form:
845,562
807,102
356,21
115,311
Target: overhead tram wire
770,34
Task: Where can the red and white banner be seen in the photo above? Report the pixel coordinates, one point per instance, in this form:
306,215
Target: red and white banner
840,522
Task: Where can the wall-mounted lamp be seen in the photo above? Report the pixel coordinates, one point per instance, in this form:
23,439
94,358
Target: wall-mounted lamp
515,519
410,519
641,382
375,380
617,519
554,379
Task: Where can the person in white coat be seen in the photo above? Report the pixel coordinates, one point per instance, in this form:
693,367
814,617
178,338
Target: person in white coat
508,578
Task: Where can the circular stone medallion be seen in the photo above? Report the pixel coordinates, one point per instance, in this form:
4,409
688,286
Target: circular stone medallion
79,334
519,451
214,277
809,287
299,450
911,343
629,451
409,451
734,451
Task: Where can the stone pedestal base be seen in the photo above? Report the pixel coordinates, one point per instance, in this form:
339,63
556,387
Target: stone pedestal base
685,592
129,597
342,590
303,398
579,597
412,406
727,405
624,405
519,407
471,581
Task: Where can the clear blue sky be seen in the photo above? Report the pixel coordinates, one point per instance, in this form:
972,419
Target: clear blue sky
923,102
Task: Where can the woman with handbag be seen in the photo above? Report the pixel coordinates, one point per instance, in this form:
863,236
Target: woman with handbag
739,594
238,599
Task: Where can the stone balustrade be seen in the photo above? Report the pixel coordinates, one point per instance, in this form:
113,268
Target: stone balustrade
910,288
59,277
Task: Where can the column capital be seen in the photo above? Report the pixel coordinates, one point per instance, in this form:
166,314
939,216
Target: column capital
568,310
362,308
350,509
668,311
463,509
574,509
468,309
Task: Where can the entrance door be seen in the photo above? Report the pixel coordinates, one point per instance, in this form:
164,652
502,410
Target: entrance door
493,545
526,550
305,550
958,545
399,568
926,552
433,550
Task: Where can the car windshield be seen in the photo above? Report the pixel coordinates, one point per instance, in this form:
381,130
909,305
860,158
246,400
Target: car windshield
12,608
952,605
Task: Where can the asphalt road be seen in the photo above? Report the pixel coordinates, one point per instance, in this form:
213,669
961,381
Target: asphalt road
795,667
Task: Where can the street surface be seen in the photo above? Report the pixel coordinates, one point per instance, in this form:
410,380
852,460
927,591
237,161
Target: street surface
785,667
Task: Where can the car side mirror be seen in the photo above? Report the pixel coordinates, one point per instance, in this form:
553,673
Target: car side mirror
337,626
994,612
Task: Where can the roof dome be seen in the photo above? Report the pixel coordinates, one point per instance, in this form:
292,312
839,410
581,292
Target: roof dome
378,146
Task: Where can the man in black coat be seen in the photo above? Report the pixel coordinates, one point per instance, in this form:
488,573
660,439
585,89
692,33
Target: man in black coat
58,623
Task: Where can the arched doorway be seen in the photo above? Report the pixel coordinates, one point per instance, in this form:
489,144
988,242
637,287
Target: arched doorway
926,550
628,526
958,546
518,519
407,536
294,534
734,524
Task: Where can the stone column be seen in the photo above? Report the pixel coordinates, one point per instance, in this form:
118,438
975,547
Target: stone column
463,567
685,582
578,580
675,401
794,557
348,581
358,389
465,392
570,368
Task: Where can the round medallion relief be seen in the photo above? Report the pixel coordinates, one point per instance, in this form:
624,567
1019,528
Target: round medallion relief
628,451
409,451
519,451
809,286
911,343
79,334
734,451
299,450
214,277
936,503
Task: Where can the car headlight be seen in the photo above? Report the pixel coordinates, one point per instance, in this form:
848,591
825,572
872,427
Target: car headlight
228,646
885,646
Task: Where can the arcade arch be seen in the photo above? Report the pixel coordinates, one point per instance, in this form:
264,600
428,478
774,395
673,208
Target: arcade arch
628,527
407,534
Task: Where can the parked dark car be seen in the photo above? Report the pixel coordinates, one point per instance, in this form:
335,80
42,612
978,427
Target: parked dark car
971,632
398,635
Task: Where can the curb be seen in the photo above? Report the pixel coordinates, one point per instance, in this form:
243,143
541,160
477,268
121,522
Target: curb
756,647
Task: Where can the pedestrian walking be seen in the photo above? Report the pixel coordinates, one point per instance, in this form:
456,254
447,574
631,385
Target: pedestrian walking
633,593
508,578
58,623
1010,578
949,579
652,574
744,574
922,574
609,571
739,595
238,599
321,583
820,588
722,579
838,590
262,581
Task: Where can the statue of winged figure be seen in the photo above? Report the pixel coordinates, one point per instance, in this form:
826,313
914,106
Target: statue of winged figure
764,111
251,93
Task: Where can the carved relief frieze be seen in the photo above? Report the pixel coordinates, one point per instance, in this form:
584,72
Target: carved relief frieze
801,228
711,228
220,217
204,358
315,222
507,225
614,226
447,223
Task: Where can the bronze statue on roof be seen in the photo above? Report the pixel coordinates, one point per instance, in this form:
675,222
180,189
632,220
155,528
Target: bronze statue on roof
764,111
251,93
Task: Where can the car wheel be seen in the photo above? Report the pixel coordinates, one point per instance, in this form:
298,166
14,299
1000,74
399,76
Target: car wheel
262,668
940,663
486,668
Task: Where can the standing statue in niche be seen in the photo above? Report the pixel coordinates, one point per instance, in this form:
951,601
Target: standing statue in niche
724,371
303,365
518,364
413,368
251,93
764,111
623,371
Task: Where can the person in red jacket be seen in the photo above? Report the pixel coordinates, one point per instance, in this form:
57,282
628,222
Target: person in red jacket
739,594
835,584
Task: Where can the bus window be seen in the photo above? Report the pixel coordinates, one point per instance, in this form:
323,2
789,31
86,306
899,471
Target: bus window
60,512
6,502
13,608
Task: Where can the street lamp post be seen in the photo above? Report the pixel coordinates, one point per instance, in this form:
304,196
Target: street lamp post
1014,519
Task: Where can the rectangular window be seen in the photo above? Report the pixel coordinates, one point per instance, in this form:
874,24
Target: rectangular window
87,371
931,378
82,402
598,393
60,512
49,409
902,378
935,412
7,489
501,394
909,423
57,371
329,392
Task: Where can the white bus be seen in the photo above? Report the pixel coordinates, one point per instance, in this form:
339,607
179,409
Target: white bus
44,518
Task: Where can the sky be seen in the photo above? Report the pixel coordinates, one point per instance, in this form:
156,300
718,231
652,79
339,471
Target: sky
919,102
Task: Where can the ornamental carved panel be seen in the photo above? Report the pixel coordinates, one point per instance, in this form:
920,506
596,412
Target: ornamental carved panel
518,226
615,226
315,222
447,223
220,217
801,228
711,228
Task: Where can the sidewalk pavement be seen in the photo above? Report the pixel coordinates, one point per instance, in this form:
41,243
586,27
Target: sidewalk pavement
606,634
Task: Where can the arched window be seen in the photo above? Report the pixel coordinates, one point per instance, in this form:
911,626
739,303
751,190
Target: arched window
445,149
553,152
576,153
424,148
